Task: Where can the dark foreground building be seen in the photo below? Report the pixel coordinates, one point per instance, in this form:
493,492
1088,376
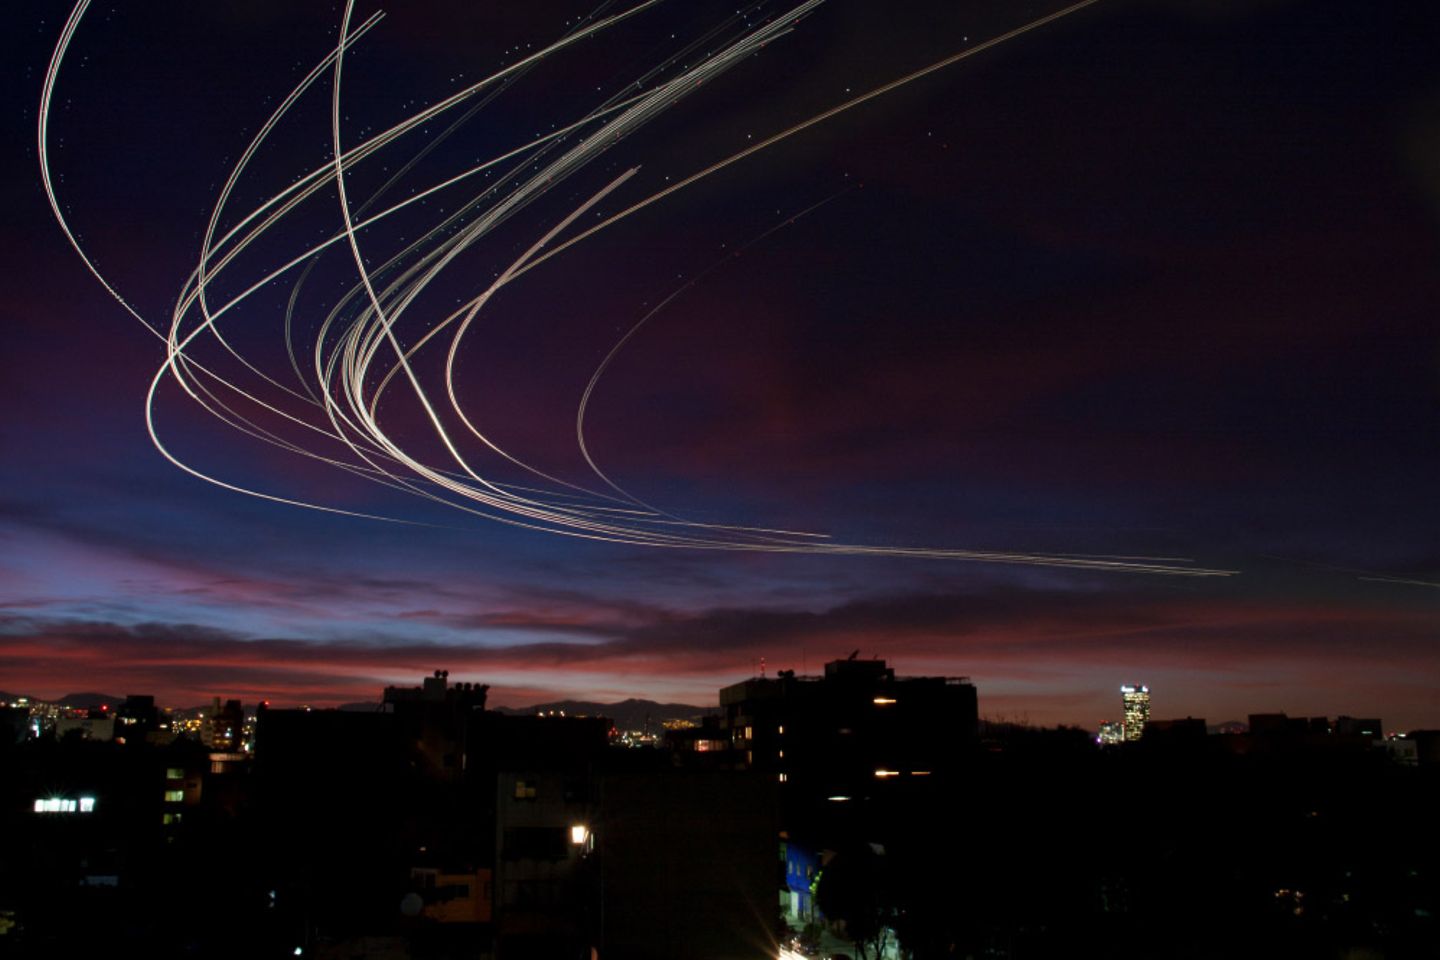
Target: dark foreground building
857,724
459,831
856,803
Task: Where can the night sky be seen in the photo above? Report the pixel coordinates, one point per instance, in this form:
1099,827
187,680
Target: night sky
1155,280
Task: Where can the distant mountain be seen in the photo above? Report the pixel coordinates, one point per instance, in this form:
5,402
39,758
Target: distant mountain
80,701
627,714
364,706
90,701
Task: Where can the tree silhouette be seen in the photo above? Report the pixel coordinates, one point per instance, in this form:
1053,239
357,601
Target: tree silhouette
854,888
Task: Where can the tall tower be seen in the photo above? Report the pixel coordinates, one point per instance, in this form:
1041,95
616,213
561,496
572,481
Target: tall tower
1136,700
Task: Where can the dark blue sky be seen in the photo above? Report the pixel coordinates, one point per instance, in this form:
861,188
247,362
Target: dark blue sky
1155,280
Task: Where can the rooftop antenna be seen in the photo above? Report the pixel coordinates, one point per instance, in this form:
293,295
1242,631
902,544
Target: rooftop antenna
853,654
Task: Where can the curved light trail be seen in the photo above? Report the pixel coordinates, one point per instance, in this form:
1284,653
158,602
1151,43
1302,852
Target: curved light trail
379,339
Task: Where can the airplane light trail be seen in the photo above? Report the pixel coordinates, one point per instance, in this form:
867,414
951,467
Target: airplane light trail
377,335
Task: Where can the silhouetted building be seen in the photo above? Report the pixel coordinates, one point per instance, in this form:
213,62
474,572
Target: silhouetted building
1427,745
1280,735
1278,725
14,725
700,742
446,814
431,827
224,726
856,726
1347,729
1187,730
1368,728
436,716
137,715
1111,732
1402,750
686,862
545,773
337,795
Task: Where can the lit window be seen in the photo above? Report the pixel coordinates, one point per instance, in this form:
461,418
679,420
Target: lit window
579,833
784,777
87,804
883,701
524,790
887,773
782,729
170,818
174,796
749,733
174,773
59,805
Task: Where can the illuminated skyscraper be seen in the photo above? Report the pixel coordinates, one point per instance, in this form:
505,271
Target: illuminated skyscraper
1111,732
1136,698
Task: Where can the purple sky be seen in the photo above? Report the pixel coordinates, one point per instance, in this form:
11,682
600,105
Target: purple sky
1156,280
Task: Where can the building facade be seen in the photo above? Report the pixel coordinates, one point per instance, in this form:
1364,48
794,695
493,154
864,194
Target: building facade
1135,698
843,733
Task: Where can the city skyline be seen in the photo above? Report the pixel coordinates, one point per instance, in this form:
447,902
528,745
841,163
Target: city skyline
1134,707
229,724
1138,290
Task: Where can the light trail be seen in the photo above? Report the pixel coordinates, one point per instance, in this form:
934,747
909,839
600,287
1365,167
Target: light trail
375,346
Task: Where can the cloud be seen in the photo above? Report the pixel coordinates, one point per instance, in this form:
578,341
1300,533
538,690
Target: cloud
1011,635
